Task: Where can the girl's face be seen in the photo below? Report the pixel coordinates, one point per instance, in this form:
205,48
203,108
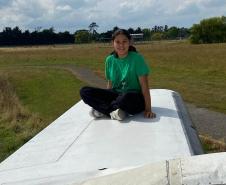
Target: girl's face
121,45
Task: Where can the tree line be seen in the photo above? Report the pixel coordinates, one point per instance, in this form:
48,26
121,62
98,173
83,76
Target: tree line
211,30
14,36
156,33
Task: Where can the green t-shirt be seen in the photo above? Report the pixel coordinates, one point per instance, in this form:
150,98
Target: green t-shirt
124,72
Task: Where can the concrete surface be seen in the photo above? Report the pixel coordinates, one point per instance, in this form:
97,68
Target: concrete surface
76,147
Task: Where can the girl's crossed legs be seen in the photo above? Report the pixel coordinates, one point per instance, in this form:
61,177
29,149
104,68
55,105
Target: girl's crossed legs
108,100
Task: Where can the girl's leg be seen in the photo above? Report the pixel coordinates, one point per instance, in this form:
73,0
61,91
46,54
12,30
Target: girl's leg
131,102
99,99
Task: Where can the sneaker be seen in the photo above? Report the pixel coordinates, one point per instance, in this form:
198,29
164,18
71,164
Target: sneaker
118,114
96,114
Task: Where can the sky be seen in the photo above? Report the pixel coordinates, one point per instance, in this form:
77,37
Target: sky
72,15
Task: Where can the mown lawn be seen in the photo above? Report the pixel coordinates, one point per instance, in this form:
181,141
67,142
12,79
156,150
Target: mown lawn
198,72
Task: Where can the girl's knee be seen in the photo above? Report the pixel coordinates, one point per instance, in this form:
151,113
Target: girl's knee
84,90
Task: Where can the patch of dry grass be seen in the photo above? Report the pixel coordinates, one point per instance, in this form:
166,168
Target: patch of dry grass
211,145
17,125
30,99
10,106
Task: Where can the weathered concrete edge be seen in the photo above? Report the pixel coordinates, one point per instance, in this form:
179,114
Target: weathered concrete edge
190,131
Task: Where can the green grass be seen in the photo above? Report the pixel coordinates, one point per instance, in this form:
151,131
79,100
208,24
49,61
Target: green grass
86,54
45,91
44,94
11,140
197,72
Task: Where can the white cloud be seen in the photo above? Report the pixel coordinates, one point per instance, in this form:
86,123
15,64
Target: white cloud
215,3
64,8
78,14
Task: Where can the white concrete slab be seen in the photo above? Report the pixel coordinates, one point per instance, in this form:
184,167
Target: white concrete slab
76,147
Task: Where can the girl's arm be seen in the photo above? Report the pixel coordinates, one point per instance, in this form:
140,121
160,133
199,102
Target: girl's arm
147,98
109,84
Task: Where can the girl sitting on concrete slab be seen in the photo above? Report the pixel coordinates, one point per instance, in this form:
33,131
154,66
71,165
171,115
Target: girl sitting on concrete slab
127,90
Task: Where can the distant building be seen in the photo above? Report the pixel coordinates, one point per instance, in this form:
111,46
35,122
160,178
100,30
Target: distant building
137,36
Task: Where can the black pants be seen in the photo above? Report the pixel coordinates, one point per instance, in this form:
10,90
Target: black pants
107,100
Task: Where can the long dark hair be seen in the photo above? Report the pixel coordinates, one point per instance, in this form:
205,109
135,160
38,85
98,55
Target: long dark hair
127,34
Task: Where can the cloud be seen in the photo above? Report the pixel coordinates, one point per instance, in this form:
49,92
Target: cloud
214,4
187,7
21,12
78,14
4,3
64,8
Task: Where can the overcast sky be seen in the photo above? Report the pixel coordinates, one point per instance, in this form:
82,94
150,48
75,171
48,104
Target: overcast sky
72,15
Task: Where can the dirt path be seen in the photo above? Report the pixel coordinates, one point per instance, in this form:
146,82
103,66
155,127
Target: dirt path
208,123
86,75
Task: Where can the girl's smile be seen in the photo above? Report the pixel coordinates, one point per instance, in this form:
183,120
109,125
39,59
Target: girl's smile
121,45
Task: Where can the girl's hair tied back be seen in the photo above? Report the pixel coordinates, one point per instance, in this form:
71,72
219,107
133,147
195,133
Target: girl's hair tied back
127,34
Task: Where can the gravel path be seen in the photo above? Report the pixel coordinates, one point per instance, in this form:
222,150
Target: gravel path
85,75
208,123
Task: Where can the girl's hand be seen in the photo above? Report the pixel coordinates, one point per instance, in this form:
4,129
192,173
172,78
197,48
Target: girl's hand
149,114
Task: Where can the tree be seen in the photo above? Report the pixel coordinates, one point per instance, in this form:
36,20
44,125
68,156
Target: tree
92,30
82,36
184,32
115,28
7,36
106,36
212,30
138,30
48,36
147,33
131,30
157,29
65,37
14,36
195,37
165,28
158,36
26,37
172,32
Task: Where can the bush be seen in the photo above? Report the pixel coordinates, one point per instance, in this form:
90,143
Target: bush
158,36
212,30
82,36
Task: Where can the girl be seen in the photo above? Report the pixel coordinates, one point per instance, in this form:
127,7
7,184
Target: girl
127,87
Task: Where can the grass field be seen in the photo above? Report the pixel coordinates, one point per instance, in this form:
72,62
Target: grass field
197,72
30,99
